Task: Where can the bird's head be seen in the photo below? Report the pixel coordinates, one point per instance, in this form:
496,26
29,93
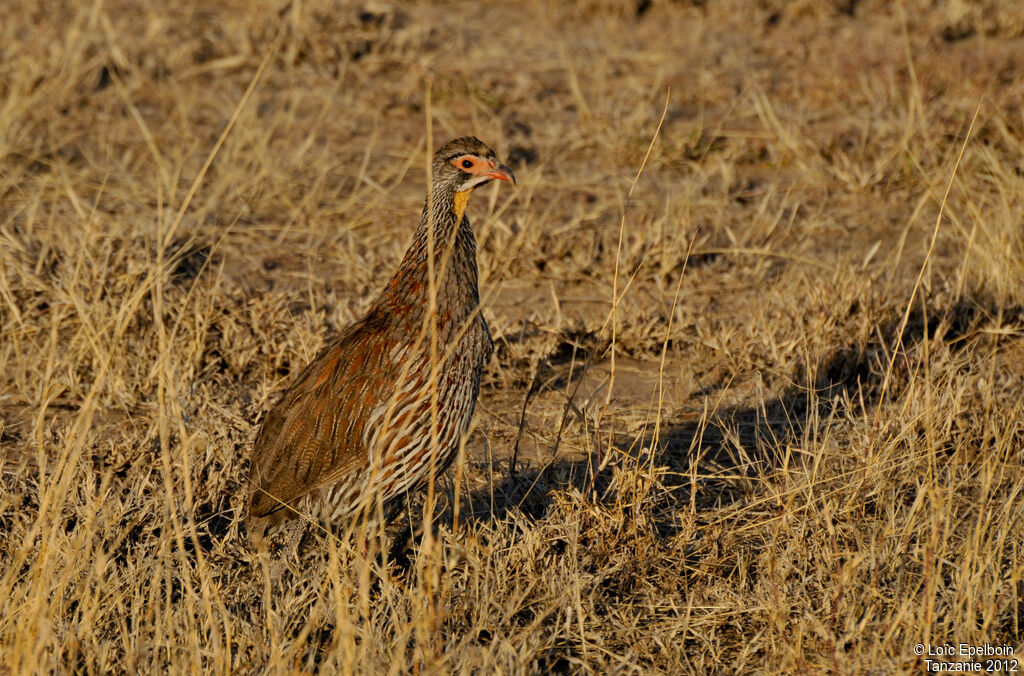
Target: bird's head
466,163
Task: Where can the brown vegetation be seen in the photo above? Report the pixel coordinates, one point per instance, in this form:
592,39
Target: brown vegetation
806,401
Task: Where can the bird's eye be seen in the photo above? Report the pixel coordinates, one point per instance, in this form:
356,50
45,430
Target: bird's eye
467,164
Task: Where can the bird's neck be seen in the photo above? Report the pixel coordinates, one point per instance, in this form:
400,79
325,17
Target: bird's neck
445,230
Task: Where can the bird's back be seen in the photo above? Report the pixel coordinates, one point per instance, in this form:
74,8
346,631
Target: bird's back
355,425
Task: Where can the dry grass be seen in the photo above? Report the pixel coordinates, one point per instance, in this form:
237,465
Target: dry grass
811,463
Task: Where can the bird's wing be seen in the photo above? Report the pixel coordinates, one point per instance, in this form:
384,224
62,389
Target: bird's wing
315,433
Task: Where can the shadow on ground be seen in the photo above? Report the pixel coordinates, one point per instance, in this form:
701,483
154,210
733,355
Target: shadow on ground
729,448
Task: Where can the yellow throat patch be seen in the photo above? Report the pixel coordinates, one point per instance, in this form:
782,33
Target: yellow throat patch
461,200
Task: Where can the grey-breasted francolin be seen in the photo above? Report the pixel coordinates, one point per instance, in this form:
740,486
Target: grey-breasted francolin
355,428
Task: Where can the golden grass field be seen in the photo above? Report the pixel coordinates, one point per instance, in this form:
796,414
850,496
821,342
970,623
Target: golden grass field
796,350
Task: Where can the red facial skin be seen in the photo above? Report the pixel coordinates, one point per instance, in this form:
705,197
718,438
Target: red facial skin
489,169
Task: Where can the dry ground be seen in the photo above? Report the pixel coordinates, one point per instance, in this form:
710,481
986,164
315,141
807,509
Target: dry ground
808,398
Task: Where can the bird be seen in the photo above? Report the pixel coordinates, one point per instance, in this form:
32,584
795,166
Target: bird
384,405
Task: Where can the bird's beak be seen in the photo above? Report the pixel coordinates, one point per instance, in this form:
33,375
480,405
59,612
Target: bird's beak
501,172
